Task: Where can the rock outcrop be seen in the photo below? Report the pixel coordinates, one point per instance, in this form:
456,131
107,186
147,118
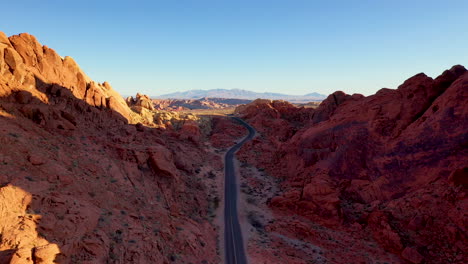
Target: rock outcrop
28,67
80,183
139,102
392,163
197,104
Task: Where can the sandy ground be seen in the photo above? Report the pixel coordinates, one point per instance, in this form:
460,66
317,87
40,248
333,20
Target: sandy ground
270,242
213,179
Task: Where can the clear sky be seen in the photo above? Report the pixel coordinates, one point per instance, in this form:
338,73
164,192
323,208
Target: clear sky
288,46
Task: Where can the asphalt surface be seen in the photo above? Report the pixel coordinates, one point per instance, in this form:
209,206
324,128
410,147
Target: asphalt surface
233,243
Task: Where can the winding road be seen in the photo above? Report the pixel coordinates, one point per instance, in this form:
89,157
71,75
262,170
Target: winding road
233,243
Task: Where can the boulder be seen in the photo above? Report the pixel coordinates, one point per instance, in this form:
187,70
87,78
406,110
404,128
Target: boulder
13,59
161,161
412,255
36,159
140,101
46,254
329,105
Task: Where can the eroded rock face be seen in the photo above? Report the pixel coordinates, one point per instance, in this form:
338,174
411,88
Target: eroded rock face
393,162
20,240
141,101
278,116
161,161
329,105
28,66
80,183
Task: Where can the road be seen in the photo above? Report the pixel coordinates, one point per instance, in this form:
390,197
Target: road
233,243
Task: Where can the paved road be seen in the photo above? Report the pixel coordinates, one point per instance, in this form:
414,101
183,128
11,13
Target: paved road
233,243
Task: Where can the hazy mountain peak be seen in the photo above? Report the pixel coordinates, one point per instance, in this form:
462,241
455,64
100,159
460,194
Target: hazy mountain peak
237,93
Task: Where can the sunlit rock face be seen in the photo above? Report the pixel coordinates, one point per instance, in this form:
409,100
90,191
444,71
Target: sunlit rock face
81,183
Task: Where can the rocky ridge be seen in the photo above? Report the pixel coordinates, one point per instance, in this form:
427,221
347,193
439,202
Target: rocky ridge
194,104
388,168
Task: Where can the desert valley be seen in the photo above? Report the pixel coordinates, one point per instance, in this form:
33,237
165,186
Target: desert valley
87,176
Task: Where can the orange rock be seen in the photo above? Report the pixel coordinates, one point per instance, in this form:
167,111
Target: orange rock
4,39
22,256
46,254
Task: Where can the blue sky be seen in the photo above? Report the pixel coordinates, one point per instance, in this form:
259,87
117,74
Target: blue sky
288,46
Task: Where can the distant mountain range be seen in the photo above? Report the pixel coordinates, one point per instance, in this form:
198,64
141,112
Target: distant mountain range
241,94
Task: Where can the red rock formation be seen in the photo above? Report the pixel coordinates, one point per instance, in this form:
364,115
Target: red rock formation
225,132
27,66
80,184
140,101
190,130
393,162
194,104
